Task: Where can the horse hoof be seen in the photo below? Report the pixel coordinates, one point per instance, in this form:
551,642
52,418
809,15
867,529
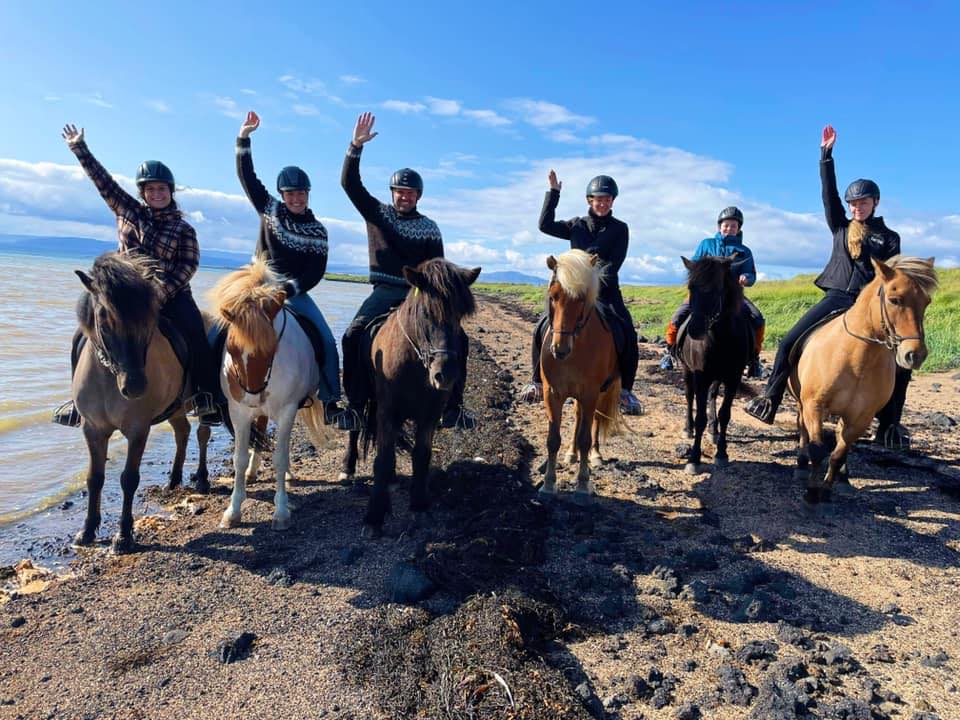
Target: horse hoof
371,532
692,469
174,482
569,459
721,462
122,544
281,523
596,461
201,481
84,538
229,521
547,493
581,497
542,467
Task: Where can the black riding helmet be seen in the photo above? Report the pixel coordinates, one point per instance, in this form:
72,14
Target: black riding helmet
407,178
154,171
292,178
603,185
860,189
731,213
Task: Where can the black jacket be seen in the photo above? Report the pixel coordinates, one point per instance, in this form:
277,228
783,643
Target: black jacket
842,271
294,245
607,236
394,239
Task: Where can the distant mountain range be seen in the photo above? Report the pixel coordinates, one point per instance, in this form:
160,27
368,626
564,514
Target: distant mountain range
88,248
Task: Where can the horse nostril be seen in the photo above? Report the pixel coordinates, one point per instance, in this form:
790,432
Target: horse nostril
438,378
909,357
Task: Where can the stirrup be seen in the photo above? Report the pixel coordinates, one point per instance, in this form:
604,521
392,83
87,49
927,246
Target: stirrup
666,362
463,420
755,369
341,418
202,404
763,409
893,437
67,415
532,393
629,404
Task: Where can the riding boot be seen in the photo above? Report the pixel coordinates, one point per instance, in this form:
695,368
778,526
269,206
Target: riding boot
67,414
890,432
456,415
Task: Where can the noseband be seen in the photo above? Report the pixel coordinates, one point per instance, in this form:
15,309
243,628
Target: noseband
100,350
581,320
266,380
891,339
425,356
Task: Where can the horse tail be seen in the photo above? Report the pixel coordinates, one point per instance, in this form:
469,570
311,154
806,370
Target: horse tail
368,435
608,414
320,434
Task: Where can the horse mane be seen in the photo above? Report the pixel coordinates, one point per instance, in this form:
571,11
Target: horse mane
578,275
703,271
243,296
447,295
127,284
918,270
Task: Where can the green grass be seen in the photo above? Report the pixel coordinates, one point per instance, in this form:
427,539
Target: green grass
782,303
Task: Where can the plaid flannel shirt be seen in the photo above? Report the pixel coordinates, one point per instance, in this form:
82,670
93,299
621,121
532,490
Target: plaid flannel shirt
161,234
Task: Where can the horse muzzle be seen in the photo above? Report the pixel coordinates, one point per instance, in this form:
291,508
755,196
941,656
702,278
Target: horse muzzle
132,385
561,350
911,356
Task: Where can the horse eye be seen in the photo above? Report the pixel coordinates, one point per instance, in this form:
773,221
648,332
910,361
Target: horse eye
896,301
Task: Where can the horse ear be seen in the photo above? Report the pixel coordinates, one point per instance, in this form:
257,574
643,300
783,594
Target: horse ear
471,275
930,261
413,277
883,269
593,258
688,264
552,263
85,279
227,315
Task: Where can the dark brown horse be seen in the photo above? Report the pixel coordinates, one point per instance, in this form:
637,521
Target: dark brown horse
415,359
126,376
715,351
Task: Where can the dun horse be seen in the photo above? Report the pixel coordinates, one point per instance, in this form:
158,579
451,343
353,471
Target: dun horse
268,368
579,361
127,375
415,360
847,367
714,350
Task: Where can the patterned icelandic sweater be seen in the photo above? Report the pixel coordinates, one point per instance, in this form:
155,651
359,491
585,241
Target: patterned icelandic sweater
394,239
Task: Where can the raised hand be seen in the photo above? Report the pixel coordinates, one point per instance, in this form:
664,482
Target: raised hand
363,132
250,124
829,137
71,134
552,179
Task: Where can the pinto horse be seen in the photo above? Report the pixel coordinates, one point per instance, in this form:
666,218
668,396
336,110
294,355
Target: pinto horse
848,366
579,361
715,350
268,369
416,360
127,375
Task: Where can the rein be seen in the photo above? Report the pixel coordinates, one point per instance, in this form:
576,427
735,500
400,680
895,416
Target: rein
266,380
891,339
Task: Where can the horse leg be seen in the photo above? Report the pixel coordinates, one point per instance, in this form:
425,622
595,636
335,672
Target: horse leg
812,418
688,392
584,429
241,457
255,459
712,409
694,454
129,481
571,456
554,405
422,452
847,435
281,464
802,471
181,433
596,459
202,477
384,474
349,466
722,419
97,449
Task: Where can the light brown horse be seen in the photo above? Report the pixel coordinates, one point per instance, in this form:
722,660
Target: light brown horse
847,367
578,361
126,376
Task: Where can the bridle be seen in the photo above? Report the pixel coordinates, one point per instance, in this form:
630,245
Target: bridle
582,319
266,380
891,339
425,357
100,350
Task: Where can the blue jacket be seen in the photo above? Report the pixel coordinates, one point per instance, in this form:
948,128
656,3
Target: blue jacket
726,246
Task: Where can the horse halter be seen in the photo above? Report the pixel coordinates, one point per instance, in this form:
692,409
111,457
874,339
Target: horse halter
100,350
266,380
424,357
581,319
891,339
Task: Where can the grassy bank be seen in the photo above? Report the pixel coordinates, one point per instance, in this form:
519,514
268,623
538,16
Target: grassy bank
781,301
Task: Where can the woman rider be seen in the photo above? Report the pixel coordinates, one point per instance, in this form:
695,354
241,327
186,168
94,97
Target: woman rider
728,242
600,233
855,241
154,225
294,243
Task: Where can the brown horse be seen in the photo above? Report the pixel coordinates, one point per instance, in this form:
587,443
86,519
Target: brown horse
416,360
579,361
126,376
847,367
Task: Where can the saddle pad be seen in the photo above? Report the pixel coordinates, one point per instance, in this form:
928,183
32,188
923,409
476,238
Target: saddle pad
797,350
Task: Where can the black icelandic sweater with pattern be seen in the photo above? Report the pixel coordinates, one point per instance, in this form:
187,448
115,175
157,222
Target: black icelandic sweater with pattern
294,245
394,239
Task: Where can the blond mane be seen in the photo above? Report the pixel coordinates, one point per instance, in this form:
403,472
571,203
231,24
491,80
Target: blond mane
240,301
578,275
918,270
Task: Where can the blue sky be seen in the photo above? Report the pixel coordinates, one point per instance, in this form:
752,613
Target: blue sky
691,106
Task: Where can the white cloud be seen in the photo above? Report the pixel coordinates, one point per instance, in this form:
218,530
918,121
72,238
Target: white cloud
158,105
52,98
228,106
439,106
352,79
96,99
563,136
299,85
247,91
305,109
542,114
488,118
402,106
